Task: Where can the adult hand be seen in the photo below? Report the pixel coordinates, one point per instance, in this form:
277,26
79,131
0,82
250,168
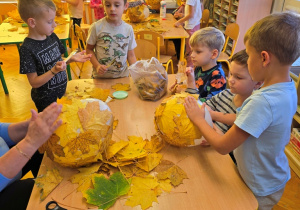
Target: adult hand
43,124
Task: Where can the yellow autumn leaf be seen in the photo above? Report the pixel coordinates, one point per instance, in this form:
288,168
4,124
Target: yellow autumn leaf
115,124
85,176
130,171
155,144
48,182
114,148
168,170
144,192
165,185
134,149
99,93
149,162
121,86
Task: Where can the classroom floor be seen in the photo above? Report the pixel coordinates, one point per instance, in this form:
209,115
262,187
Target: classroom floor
17,104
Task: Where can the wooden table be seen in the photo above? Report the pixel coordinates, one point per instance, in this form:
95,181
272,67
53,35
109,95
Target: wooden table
171,33
17,37
214,182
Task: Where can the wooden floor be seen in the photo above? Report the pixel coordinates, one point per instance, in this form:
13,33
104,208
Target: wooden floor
17,104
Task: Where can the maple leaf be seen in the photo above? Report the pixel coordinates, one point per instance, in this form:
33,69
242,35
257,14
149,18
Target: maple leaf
155,144
168,170
107,191
99,93
132,170
149,162
133,150
144,192
85,176
121,86
47,182
114,148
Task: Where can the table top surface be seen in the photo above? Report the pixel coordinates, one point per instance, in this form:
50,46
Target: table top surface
18,36
213,183
167,24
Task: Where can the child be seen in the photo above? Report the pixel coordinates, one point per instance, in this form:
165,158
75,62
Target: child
113,42
179,12
208,79
222,107
98,8
40,53
75,11
263,124
191,20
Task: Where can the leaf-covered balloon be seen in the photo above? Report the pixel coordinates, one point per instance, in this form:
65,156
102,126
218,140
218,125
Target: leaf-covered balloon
173,124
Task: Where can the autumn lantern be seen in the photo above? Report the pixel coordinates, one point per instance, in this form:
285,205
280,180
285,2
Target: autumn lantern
173,124
137,12
84,135
154,4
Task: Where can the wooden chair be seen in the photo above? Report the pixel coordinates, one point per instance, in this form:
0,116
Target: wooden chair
158,40
205,19
141,53
231,37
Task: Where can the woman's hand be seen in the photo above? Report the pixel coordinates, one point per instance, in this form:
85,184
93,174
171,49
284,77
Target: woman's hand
43,124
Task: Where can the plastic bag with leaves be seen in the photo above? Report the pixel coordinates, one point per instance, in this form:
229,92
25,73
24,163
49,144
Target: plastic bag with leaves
150,78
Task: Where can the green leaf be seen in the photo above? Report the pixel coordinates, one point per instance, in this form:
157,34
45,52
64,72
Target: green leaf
107,191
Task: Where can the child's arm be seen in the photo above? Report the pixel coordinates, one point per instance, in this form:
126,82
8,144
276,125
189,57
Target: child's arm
37,81
221,143
101,69
225,118
186,17
131,57
80,57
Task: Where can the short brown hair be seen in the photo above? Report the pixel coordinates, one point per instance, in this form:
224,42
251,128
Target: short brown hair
34,8
241,58
279,34
209,36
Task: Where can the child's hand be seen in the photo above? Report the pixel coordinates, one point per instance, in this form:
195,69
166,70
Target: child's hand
190,77
192,109
101,69
81,57
59,66
177,24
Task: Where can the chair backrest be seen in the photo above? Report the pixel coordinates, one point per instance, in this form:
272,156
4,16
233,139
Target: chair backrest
81,37
141,53
5,8
151,36
232,33
205,18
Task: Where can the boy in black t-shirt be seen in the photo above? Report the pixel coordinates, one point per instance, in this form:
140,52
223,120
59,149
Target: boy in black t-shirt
40,54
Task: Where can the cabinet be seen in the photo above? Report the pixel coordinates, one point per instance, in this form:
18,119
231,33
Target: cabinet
243,12
293,156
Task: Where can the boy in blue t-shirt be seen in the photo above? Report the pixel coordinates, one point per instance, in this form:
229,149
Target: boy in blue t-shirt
263,124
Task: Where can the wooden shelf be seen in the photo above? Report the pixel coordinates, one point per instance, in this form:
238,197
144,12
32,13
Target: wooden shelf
293,159
297,118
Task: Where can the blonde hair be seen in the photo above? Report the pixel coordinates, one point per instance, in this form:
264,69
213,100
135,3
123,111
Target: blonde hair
34,8
279,34
210,37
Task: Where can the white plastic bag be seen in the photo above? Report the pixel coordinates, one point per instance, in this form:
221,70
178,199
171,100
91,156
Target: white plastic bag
150,78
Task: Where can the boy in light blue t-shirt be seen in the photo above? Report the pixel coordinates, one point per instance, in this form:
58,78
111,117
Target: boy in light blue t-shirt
263,124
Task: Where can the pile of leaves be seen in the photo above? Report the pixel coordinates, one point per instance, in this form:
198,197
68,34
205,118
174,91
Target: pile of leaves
84,135
132,168
172,122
